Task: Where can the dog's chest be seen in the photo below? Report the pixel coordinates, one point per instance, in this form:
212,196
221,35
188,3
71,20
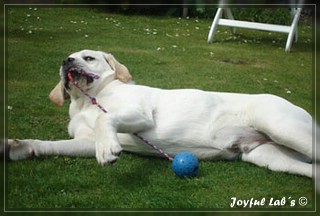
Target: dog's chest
83,117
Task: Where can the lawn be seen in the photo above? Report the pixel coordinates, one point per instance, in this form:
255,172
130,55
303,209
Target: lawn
161,52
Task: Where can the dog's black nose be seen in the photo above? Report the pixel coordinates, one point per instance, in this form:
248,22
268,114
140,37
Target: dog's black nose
68,60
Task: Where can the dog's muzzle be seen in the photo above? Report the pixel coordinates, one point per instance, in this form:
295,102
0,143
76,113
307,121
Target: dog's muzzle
69,66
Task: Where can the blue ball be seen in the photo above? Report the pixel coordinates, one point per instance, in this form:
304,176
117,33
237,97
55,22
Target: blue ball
185,164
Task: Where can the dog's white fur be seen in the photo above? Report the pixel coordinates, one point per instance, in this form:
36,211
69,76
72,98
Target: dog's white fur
262,129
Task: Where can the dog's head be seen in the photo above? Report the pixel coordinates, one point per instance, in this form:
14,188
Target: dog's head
83,67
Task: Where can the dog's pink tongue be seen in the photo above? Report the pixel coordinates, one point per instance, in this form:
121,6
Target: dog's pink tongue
70,76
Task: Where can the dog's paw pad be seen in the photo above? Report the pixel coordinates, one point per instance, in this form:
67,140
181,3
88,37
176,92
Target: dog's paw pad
105,158
105,162
116,151
107,155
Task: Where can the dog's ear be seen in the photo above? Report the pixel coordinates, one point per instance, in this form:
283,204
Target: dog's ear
57,95
121,71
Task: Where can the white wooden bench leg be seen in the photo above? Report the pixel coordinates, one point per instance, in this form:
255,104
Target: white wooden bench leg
293,30
293,12
214,24
230,16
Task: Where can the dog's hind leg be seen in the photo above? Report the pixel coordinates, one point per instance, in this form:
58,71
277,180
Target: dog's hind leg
284,123
278,158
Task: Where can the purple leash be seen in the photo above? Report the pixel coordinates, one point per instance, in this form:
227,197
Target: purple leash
95,102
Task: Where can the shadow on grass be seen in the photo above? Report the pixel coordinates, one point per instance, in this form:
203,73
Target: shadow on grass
139,174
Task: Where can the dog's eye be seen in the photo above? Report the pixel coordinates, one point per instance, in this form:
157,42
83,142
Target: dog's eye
88,58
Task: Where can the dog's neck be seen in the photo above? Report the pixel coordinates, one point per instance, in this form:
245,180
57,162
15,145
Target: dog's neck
101,84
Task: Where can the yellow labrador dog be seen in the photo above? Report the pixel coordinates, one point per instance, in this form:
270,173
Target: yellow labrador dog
263,129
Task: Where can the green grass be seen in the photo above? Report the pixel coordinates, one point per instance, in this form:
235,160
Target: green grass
161,52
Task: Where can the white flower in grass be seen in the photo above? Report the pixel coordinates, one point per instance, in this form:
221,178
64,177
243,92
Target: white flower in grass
287,91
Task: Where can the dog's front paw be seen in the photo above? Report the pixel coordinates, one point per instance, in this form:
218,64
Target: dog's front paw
4,149
107,155
19,149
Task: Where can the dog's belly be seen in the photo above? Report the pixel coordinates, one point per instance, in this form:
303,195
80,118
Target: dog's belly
198,122
226,143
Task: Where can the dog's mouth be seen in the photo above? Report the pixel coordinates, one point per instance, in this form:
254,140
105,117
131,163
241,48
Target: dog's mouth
74,74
